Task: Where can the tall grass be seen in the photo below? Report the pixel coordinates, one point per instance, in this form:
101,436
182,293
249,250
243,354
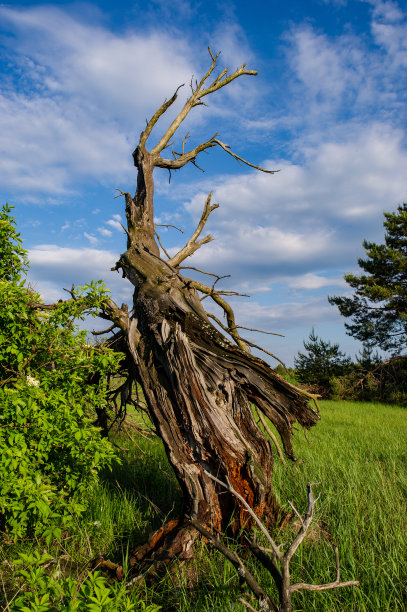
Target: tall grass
358,454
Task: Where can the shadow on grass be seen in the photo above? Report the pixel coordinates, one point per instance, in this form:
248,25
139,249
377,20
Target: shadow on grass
140,493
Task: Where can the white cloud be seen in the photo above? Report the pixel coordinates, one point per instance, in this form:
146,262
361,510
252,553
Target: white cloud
357,177
386,10
307,219
105,232
53,267
281,317
348,76
314,281
389,28
92,239
115,224
73,119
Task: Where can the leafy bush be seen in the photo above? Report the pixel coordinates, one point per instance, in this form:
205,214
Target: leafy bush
50,453
43,591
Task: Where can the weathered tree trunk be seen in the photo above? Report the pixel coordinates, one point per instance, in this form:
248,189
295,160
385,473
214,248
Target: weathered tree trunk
199,388
202,390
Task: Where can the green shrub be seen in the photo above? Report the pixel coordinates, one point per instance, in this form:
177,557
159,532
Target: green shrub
50,453
385,382
44,591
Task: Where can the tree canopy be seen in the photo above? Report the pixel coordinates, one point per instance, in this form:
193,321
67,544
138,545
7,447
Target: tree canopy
378,308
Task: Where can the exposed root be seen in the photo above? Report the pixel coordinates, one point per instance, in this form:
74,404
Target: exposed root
173,541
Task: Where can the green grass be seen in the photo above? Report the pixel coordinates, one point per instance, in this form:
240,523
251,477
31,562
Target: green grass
358,452
359,455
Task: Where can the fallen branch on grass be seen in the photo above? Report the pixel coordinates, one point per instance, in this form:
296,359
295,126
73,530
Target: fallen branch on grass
278,562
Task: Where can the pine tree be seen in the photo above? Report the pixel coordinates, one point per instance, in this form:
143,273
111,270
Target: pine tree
322,362
378,308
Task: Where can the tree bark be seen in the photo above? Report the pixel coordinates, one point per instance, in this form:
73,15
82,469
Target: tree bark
199,386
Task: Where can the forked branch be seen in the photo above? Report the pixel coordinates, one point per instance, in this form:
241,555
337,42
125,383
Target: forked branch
195,100
193,243
280,575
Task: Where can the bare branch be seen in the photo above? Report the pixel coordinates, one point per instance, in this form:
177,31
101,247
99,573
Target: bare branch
260,331
195,100
119,316
238,564
247,605
337,584
323,587
224,79
128,235
71,292
193,245
260,348
267,561
104,331
232,329
198,270
230,315
223,291
165,105
182,160
121,193
169,225
227,148
305,525
281,578
160,243
226,329
183,142
211,54
39,306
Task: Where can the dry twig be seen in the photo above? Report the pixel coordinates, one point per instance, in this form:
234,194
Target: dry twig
281,575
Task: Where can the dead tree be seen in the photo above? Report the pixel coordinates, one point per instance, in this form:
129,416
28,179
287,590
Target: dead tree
199,384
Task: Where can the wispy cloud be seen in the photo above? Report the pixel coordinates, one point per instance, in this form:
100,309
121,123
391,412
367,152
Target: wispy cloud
105,232
72,117
116,224
92,239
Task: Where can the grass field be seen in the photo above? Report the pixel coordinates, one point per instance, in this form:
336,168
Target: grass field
358,454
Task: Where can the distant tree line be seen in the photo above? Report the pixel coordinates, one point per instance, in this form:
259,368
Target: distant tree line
324,369
378,313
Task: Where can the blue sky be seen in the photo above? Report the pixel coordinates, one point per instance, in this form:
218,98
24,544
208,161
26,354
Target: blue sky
328,109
